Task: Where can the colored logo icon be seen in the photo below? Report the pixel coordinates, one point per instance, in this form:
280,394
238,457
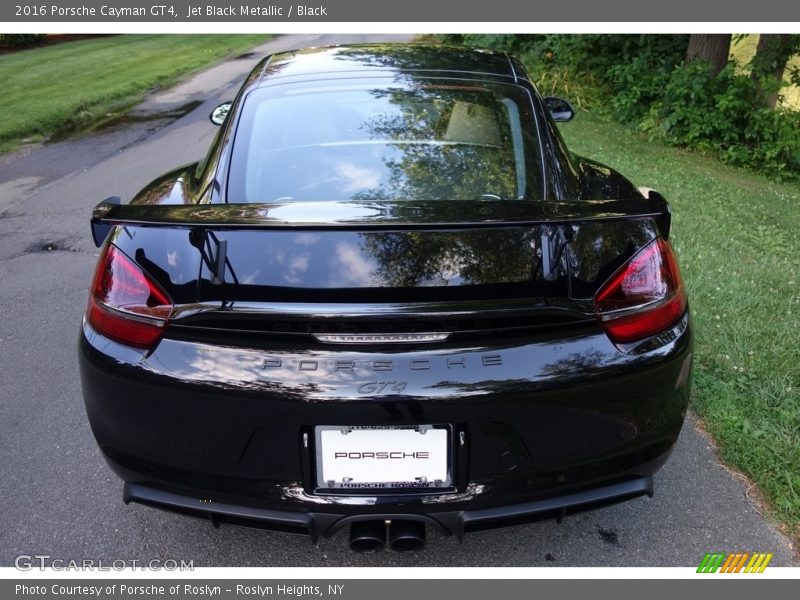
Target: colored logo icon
740,562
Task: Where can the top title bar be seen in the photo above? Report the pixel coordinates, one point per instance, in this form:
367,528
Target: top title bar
443,11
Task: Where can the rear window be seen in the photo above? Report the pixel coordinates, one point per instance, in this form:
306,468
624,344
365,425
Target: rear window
424,140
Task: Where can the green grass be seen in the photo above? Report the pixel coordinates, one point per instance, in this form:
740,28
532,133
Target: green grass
737,236
72,83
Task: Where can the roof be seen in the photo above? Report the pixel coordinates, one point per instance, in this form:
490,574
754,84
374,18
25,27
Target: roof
389,58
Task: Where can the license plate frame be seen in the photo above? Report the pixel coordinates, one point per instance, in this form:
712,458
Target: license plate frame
438,474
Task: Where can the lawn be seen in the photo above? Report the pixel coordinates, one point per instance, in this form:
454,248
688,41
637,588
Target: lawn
48,89
736,235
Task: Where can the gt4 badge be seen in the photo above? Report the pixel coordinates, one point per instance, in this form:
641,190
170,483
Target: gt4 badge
381,387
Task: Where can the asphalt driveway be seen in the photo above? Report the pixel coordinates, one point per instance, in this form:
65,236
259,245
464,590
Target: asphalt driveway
57,496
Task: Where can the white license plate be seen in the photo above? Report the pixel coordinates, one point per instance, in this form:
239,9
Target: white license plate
382,457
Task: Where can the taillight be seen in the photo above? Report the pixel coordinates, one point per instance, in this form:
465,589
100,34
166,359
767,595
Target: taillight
125,304
644,297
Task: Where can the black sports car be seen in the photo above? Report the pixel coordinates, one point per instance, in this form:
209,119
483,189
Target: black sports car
387,295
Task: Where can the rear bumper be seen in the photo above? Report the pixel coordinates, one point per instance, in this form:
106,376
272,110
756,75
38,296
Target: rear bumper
564,422
324,525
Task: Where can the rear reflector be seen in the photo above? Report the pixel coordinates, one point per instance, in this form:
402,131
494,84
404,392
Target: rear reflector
644,297
125,304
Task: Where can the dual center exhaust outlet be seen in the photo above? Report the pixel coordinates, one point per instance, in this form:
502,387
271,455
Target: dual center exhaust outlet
404,535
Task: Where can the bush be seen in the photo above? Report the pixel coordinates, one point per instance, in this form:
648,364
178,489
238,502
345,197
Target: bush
640,70
20,40
507,42
726,115
592,69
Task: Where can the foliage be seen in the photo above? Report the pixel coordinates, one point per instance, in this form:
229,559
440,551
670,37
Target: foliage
641,80
743,51
773,52
20,40
726,115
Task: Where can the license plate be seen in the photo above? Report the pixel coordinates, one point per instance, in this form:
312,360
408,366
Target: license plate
382,457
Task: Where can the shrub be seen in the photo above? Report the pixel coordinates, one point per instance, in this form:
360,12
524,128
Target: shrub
726,115
20,40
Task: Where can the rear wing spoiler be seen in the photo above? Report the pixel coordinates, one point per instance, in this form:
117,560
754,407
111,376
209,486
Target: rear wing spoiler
377,215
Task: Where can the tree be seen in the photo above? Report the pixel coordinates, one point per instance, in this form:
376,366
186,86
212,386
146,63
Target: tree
712,48
769,63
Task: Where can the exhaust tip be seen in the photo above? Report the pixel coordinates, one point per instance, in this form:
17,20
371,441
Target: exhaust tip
407,536
367,536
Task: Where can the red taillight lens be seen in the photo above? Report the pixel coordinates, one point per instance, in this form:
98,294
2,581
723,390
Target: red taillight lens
644,297
125,304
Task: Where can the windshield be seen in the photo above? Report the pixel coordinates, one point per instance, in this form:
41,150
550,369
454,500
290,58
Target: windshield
423,139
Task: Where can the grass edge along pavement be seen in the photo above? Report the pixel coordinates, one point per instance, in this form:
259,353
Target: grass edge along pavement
74,85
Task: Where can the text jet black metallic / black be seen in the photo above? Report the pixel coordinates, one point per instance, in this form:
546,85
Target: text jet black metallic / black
388,293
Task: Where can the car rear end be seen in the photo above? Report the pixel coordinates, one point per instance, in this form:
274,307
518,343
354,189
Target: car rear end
310,365
510,391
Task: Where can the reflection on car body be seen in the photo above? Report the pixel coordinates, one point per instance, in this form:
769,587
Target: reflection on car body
387,249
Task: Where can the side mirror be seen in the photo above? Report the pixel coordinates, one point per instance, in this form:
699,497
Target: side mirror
219,114
560,109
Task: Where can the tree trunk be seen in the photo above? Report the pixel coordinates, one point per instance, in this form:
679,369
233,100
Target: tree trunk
712,48
769,63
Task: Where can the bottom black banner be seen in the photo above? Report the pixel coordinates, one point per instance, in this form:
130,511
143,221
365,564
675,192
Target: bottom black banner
384,589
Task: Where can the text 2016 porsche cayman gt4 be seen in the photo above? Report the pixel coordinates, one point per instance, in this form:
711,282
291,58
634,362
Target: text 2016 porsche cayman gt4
388,294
